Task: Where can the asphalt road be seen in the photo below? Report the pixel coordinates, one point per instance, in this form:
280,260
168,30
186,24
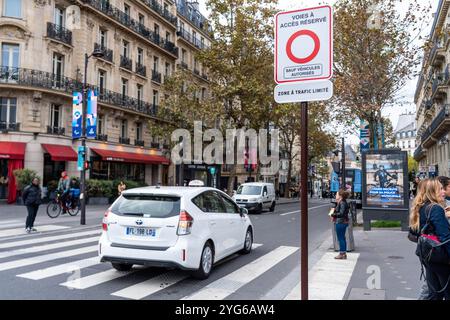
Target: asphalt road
24,266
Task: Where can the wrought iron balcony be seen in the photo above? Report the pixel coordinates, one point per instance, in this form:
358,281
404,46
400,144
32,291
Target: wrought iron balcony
125,20
163,13
46,80
141,69
4,126
204,76
156,76
59,33
102,137
155,145
419,153
184,65
126,63
56,130
107,53
438,85
193,16
197,72
124,140
139,143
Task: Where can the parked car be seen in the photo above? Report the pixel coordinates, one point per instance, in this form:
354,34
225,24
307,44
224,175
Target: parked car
189,228
256,196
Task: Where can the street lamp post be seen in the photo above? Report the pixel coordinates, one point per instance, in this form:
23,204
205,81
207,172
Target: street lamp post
98,54
343,165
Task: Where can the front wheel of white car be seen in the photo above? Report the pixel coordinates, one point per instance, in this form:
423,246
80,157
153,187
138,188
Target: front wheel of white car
206,263
248,243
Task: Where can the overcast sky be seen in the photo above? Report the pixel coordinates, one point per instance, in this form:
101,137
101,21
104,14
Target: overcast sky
407,94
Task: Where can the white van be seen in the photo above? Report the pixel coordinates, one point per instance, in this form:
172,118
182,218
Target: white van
256,196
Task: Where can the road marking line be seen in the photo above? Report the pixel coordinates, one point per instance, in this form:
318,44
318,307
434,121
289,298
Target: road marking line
329,278
20,231
47,239
52,246
223,287
95,279
44,258
60,269
297,211
151,286
256,245
10,221
9,225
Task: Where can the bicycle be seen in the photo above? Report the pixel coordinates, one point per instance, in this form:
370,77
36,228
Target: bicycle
55,207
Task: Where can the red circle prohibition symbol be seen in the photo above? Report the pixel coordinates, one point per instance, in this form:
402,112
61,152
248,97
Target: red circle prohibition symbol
295,36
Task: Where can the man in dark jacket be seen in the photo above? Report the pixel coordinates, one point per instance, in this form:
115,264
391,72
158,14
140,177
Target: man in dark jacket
32,199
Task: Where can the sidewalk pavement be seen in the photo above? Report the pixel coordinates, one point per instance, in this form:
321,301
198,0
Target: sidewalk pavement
382,267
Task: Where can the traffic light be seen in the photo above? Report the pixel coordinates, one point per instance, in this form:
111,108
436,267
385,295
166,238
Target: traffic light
87,165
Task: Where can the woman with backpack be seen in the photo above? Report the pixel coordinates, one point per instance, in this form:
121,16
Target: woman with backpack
340,218
428,217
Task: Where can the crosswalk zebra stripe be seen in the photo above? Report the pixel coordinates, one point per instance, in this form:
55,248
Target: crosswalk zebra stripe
20,243
44,258
19,231
60,269
10,225
95,279
223,287
10,221
52,246
151,286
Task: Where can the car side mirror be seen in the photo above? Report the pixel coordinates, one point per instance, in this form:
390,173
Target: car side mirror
243,211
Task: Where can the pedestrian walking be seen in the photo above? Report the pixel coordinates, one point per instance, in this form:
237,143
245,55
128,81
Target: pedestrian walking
32,196
429,210
415,185
445,181
121,187
341,220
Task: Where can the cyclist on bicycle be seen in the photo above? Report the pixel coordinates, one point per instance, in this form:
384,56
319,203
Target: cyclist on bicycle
64,190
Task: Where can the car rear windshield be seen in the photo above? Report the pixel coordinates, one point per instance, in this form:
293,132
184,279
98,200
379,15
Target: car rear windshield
154,205
249,190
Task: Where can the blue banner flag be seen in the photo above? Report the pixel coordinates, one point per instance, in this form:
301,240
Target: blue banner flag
334,187
77,115
91,116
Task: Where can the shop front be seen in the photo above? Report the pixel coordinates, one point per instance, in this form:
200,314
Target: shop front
12,155
209,174
55,160
140,167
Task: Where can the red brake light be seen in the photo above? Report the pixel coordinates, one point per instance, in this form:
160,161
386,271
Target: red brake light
185,223
105,220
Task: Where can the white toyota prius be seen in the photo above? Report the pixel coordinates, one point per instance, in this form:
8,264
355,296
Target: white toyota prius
190,228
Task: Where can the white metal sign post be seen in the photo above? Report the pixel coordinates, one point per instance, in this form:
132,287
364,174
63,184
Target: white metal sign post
303,69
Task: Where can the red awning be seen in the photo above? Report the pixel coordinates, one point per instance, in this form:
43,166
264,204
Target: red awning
109,155
12,150
60,153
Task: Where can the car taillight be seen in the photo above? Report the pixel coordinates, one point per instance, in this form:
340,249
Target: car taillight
185,223
105,220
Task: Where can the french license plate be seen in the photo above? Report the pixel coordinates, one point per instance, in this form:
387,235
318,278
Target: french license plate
142,232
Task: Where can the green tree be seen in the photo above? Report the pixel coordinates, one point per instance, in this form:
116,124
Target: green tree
376,53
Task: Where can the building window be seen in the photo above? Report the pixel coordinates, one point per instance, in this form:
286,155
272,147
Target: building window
103,38
124,128
166,7
203,93
140,93
183,55
58,69
126,48
127,10
139,131
156,30
140,56
409,144
101,122
60,17
155,97
195,64
168,37
102,81
202,41
8,110
141,19
155,63
55,115
124,87
182,26
167,70
194,36
12,8
10,55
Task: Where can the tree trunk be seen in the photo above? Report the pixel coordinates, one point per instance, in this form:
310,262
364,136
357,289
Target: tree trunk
231,179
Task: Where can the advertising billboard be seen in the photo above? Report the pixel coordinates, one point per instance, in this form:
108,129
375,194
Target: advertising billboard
385,179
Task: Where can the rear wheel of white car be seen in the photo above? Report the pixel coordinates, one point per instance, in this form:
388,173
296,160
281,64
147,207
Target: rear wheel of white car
122,266
206,263
248,243
272,207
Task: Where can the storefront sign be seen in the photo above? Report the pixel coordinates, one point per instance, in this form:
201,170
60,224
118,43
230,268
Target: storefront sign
91,116
77,115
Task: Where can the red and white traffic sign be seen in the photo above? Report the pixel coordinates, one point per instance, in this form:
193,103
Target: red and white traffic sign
304,45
